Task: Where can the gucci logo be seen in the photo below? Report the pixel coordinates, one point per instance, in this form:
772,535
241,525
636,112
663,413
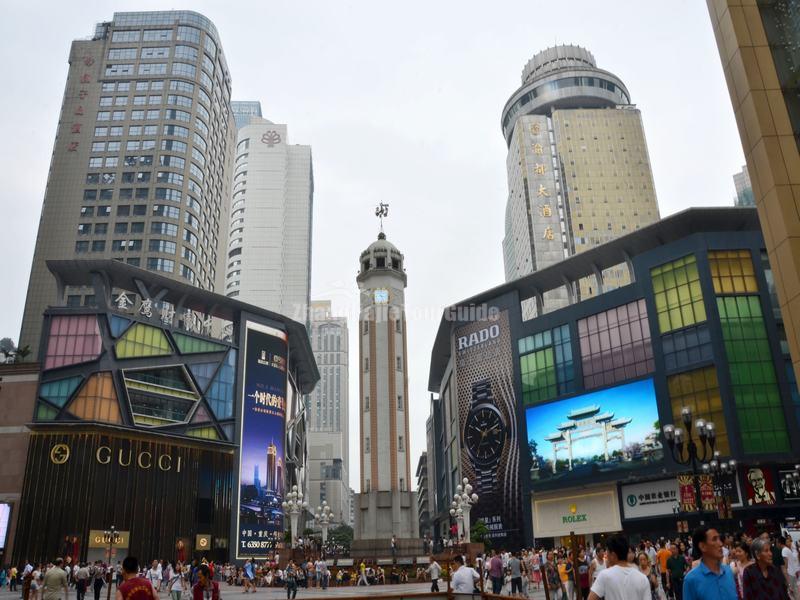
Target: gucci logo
59,454
271,138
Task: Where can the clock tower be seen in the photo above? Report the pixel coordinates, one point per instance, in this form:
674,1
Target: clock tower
385,507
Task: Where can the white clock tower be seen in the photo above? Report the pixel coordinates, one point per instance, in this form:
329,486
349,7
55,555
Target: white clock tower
385,507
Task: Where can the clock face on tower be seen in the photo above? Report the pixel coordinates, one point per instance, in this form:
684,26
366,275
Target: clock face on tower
381,296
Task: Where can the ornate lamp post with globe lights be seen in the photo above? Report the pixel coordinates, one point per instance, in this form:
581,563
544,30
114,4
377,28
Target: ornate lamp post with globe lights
698,454
293,506
111,537
323,519
460,507
791,482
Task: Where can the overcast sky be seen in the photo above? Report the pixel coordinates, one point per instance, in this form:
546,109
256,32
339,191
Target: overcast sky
401,103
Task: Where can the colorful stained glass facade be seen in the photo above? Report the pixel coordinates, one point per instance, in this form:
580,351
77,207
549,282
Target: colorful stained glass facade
615,345
73,339
699,390
97,400
687,347
755,390
677,293
141,341
732,272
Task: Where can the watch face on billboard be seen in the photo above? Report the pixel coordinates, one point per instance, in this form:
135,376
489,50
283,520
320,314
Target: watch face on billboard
262,457
611,430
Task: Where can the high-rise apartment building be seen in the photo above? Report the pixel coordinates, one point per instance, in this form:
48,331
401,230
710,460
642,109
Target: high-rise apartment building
140,170
386,506
744,189
758,43
328,432
578,168
269,252
243,110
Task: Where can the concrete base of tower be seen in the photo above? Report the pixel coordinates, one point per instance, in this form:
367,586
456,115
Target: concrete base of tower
383,515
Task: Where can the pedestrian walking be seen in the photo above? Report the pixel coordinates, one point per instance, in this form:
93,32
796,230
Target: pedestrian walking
763,580
711,579
290,576
620,580
98,579
134,587
205,588
54,584
435,571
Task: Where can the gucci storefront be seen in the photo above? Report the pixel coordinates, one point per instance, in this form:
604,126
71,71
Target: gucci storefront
161,493
165,411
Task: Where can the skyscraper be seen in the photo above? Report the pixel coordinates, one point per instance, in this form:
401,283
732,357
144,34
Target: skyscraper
383,385
744,189
578,168
272,471
243,110
328,431
140,170
269,253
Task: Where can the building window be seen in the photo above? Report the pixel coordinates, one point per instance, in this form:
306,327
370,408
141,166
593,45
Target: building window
687,347
398,326
366,485
732,272
678,297
699,390
399,402
81,247
366,403
366,445
366,364
399,361
546,365
161,264
755,389
400,445
615,345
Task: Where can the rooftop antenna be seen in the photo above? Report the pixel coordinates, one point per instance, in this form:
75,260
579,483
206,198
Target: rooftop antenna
381,211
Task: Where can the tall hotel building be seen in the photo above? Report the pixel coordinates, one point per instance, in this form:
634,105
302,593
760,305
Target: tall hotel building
328,432
578,169
269,252
141,163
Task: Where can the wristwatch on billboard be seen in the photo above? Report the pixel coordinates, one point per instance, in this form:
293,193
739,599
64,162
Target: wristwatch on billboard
484,435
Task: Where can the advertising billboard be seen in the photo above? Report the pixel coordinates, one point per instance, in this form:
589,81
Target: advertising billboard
262,460
5,520
484,376
610,430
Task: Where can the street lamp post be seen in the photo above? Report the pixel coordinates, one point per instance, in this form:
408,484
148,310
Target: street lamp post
721,472
111,537
461,506
293,506
323,519
697,454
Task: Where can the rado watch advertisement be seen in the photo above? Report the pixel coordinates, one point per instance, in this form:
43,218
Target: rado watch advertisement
487,417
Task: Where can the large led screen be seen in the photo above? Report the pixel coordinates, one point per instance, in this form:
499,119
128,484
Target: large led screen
263,424
5,519
611,430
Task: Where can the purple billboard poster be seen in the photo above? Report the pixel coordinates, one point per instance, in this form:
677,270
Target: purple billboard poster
263,425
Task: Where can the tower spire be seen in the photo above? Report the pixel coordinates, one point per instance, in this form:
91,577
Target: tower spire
382,210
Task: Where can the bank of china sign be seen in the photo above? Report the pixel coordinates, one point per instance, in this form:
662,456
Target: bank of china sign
651,499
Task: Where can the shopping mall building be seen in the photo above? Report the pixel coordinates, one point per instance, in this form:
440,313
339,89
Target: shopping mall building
557,420
169,412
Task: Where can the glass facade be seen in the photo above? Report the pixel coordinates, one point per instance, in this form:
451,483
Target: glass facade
699,390
689,346
546,365
678,297
188,344
732,272
97,400
220,394
755,389
615,345
142,340
73,339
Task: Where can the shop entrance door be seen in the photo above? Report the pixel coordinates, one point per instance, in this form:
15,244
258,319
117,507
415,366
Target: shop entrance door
566,541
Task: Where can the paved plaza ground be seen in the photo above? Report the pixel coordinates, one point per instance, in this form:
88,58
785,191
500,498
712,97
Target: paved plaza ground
230,592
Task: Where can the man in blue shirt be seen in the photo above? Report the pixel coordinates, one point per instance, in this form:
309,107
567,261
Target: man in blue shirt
710,580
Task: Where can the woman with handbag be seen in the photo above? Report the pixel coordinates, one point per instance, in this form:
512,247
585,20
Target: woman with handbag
176,582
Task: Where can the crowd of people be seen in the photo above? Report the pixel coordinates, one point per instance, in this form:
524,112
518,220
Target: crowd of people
707,566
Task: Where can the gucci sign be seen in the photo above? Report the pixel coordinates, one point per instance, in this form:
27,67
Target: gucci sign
104,455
